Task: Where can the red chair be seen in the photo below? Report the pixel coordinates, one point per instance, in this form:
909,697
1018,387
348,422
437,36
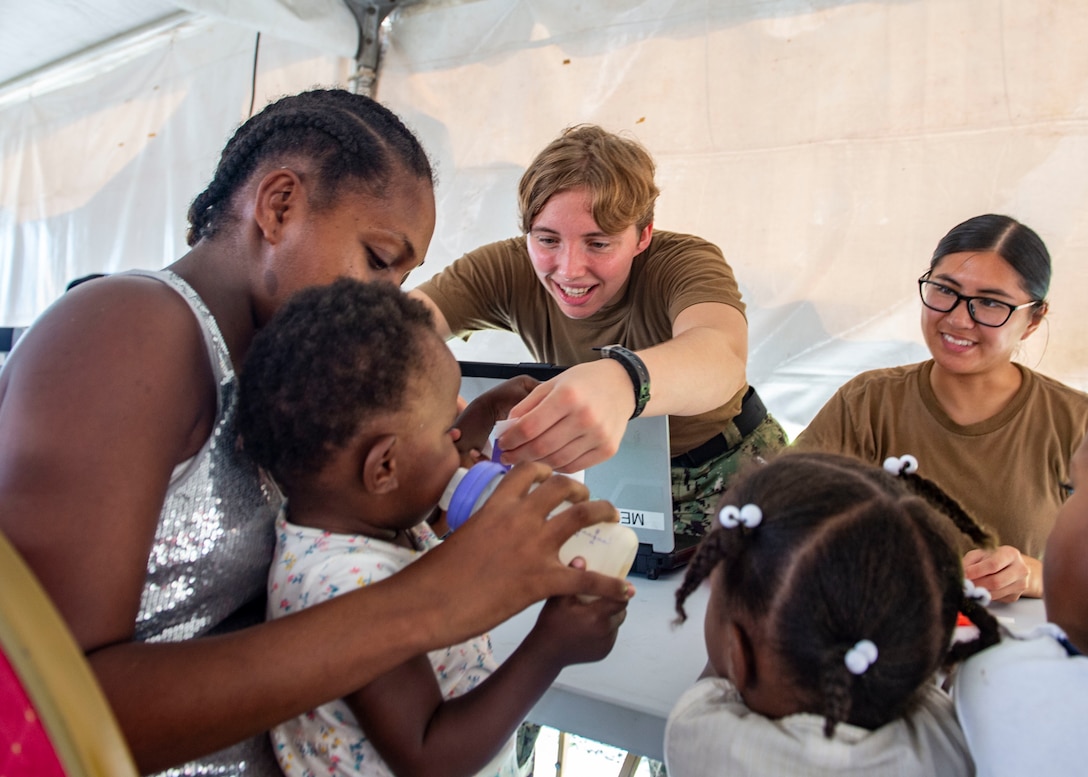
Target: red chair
54,719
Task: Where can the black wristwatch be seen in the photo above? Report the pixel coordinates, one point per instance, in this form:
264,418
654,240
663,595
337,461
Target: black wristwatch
636,368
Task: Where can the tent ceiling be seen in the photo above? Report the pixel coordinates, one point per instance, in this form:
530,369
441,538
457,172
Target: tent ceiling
36,34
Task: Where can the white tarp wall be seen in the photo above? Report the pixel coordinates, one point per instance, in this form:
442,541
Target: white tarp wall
825,146
97,176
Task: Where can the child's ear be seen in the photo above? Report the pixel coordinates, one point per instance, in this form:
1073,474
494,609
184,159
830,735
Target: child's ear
740,657
379,466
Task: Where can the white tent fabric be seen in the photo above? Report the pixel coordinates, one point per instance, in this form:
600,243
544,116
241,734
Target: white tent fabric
825,146
98,176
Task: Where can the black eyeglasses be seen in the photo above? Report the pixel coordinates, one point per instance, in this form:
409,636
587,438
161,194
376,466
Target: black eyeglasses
986,311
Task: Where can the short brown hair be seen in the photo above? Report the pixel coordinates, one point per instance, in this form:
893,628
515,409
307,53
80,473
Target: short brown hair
618,173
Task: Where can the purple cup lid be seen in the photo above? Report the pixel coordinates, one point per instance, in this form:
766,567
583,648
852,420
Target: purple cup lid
468,491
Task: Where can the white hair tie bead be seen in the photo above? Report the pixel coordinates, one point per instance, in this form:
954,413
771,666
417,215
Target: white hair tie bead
977,592
861,656
732,516
901,465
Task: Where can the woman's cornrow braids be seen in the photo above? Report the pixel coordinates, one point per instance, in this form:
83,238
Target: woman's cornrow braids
348,136
243,154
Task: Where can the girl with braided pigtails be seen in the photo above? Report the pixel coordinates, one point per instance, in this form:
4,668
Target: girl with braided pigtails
835,592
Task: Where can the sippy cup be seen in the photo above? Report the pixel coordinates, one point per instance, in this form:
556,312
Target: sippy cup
608,548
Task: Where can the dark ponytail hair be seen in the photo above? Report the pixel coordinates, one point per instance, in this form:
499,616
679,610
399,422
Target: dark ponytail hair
349,137
1016,243
845,552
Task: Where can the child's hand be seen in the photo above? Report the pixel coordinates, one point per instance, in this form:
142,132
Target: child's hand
478,418
570,630
471,457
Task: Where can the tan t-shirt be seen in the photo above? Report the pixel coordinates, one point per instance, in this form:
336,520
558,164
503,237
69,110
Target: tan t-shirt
495,287
1009,472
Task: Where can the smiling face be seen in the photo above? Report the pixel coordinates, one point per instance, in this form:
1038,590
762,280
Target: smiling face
582,268
358,235
958,344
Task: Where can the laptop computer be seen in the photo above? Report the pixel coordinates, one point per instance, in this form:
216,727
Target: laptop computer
637,480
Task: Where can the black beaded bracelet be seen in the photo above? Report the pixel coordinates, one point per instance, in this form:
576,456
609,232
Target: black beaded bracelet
636,368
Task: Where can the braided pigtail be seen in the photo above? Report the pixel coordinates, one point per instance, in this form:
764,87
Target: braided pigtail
721,545
710,553
940,499
973,605
906,467
835,690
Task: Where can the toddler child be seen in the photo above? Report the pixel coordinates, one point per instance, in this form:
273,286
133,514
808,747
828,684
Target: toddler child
348,401
835,591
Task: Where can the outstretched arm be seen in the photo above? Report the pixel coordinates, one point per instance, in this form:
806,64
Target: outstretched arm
578,418
418,733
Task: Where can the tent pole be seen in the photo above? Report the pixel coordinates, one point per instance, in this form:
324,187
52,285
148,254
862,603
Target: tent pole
369,15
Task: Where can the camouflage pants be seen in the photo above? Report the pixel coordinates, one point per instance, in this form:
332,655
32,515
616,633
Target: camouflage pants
696,491
525,744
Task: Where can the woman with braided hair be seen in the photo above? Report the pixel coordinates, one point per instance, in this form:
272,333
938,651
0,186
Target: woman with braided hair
835,592
122,486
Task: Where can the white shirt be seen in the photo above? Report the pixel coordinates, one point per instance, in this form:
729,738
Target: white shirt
710,731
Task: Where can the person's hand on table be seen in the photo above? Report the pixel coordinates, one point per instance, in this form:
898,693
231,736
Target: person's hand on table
507,557
574,420
1004,571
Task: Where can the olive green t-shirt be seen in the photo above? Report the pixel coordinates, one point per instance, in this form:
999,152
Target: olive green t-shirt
495,287
1010,472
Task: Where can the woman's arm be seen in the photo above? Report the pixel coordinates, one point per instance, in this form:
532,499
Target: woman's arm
418,733
578,418
101,399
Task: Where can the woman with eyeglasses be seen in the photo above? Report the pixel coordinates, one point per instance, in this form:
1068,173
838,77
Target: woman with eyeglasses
995,435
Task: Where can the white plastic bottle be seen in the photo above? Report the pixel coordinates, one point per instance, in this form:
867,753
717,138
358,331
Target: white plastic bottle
608,548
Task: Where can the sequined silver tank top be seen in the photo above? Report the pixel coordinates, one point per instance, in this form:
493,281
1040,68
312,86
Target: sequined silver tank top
208,566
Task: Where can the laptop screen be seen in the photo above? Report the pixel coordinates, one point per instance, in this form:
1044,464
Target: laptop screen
637,480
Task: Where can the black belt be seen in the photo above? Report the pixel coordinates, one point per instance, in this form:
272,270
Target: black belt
752,412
